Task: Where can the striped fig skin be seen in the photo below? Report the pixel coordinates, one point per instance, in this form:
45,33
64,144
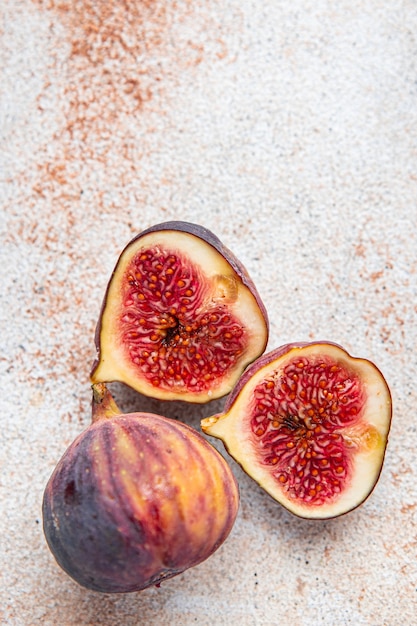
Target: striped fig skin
136,499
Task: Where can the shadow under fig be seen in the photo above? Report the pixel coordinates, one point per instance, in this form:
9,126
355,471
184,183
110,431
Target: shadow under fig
130,401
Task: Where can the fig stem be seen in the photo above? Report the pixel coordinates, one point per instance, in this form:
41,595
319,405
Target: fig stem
103,404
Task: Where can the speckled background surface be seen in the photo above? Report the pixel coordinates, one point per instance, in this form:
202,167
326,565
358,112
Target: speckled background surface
290,130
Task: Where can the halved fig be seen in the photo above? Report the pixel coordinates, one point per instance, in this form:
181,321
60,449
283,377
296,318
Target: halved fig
181,318
310,424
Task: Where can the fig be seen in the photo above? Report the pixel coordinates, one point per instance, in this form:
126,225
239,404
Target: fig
181,318
136,499
310,424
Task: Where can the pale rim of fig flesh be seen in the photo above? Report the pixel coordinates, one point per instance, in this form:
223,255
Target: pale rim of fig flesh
220,289
323,428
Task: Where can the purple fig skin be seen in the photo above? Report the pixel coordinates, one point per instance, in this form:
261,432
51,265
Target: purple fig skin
205,235
137,499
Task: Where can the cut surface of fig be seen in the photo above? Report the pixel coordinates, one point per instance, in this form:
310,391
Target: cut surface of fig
136,499
310,424
181,318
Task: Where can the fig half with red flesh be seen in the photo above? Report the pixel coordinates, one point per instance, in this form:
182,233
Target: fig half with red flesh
310,424
181,318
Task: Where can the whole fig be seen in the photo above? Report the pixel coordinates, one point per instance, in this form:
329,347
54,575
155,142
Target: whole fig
136,499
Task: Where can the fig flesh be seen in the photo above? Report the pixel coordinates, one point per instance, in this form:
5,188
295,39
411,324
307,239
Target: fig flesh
136,499
310,424
181,318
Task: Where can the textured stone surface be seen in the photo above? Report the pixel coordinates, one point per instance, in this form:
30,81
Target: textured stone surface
290,130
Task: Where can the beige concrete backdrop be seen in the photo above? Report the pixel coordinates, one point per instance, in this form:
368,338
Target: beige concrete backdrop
290,130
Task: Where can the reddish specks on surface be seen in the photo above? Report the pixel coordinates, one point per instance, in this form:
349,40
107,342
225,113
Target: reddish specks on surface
109,83
297,420
110,70
360,250
173,339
